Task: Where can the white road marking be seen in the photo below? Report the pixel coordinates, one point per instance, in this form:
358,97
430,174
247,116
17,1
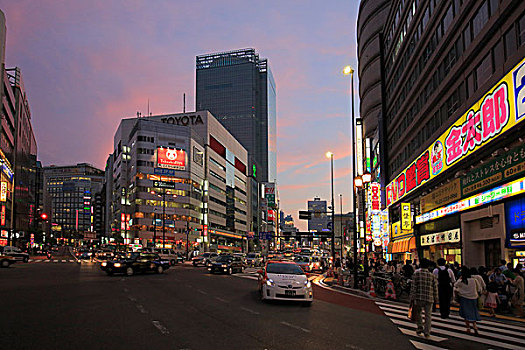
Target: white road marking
221,300
250,311
30,260
55,261
295,327
202,292
414,334
160,327
71,261
132,298
141,309
47,260
250,277
64,261
423,346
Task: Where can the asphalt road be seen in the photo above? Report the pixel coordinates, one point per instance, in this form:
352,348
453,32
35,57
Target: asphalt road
71,306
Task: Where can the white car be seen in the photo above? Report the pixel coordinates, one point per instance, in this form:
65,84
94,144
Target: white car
281,280
167,254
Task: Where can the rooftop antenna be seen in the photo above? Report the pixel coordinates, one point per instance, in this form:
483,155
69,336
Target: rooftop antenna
184,103
148,108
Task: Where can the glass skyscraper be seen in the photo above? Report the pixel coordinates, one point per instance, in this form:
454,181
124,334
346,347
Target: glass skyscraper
239,90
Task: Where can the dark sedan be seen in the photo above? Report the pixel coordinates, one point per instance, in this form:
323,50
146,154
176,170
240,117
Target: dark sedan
132,263
227,264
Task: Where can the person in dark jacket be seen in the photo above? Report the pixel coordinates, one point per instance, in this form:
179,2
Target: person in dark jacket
446,281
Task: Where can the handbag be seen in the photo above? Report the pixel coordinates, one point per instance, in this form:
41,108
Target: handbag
411,314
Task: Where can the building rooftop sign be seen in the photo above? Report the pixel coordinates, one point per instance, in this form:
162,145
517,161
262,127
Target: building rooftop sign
498,111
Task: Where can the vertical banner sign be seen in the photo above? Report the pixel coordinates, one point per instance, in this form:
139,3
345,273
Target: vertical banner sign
501,108
406,217
3,191
122,221
2,216
359,146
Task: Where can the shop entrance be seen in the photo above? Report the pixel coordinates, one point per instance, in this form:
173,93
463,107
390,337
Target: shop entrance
492,252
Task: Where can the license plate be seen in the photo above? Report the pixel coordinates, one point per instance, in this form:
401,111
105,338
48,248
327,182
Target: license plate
289,292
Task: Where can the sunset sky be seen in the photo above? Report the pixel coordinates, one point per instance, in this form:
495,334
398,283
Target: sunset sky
88,64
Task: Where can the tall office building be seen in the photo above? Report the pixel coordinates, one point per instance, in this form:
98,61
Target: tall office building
238,88
72,201
451,124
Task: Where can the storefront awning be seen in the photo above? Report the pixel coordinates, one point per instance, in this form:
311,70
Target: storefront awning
404,245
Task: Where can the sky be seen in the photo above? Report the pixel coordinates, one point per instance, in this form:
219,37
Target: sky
88,64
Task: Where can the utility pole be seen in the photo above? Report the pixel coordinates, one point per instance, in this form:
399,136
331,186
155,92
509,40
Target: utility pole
187,239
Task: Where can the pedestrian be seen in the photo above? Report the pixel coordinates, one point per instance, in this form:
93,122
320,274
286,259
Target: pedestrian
498,277
446,280
509,272
423,295
483,273
475,274
517,298
468,290
408,269
492,299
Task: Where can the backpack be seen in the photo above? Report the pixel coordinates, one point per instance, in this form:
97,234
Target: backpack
444,277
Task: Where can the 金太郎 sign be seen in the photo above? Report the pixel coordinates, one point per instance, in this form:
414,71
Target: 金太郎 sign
498,111
171,158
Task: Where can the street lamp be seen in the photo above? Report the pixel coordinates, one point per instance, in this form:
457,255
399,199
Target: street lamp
331,156
341,240
349,71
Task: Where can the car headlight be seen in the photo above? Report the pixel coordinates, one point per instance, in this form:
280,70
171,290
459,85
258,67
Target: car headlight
118,265
307,284
224,265
269,282
90,254
104,263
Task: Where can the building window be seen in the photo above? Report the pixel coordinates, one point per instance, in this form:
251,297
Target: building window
521,30
510,42
484,70
480,19
498,55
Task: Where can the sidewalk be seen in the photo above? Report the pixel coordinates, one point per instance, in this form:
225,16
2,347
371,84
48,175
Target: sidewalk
331,282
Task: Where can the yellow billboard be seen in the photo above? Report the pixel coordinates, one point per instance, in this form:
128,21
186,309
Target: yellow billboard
499,110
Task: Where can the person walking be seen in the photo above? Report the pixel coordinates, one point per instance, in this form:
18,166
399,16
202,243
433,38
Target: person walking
446,280
517,298
423,295
468,289
408,269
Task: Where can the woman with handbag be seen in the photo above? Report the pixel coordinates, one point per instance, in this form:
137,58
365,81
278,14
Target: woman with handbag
468,290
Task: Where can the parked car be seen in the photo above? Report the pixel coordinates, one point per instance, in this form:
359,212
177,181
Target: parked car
6,260
132,263
254,259
227,264
203,259
14,252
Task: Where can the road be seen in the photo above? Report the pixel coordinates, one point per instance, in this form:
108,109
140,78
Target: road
58,305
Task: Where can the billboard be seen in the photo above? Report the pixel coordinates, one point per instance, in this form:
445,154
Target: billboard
171,158
406,217
3,191
499,110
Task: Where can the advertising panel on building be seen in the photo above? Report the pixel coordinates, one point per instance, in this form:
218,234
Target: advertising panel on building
171,158
499,110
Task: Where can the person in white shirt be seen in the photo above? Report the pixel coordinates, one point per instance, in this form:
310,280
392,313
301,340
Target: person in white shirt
446,280
469,291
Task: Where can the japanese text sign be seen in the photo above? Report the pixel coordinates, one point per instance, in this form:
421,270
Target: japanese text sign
3,191
406,217
452,236
502,108
171,158
375,194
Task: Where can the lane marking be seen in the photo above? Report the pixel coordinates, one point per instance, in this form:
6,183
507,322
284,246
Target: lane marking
202,292
71,261
423,346
47,261
132,298
64,261
250,311
221,300
55,261
141,309
295,327
126,290
160,327
249,277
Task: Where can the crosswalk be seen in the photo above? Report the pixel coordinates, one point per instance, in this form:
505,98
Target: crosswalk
52,261
247,275
491,333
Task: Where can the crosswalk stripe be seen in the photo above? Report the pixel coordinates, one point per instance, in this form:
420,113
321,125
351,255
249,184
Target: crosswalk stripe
30,260
47,260
55,261
414,334
485,322
481,325
71,261
63,261
425,346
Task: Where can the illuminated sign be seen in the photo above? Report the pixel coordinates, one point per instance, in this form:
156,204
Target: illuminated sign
3,191
452,236
2,216
359,146
443,195
515,222
504,191
164,184
184,120
406,217
502,108
171,158
269,193
375,193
